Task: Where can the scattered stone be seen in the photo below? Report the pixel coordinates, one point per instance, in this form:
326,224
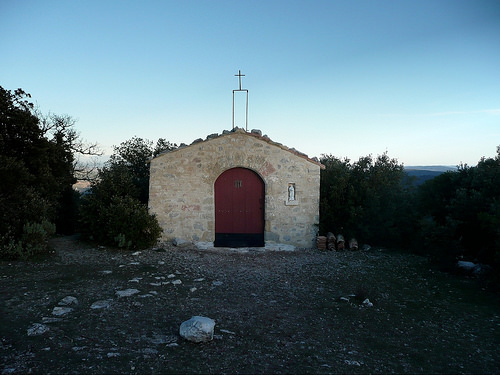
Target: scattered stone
113,354
177,282
279,247
473,269
68,301
61,311
367,303
161,262
256,131
193,289
204,245
344,299
126,292
102,304
200,279
467,266
172,344
107,272
198,329
217,283
37,329
147,295
179,242
171,276
136,253
228,332
135,280
134,263
352,363
212,136
163,339
366,247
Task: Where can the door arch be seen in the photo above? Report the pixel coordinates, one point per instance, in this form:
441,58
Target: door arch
239,209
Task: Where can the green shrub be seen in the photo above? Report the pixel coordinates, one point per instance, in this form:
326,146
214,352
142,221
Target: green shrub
33,242
123,222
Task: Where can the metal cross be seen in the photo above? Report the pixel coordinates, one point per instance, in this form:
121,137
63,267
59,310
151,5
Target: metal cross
239,75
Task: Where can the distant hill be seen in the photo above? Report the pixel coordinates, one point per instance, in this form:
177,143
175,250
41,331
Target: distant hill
434,168
424,173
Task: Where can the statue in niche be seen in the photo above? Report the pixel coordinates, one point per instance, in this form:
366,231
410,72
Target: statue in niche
291,192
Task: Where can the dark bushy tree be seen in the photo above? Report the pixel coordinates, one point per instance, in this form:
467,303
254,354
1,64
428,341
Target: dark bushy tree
36,170
115,212
368,199
134,154
460,214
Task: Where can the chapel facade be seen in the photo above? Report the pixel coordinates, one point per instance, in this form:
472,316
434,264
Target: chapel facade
237,189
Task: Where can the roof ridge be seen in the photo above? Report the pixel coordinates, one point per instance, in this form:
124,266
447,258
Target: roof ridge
256,133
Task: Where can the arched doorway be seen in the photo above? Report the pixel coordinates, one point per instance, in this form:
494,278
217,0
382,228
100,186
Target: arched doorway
239,209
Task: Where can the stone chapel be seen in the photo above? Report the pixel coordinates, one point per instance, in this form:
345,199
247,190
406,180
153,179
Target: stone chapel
236,189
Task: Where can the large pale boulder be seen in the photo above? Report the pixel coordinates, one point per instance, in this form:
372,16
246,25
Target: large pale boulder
198,329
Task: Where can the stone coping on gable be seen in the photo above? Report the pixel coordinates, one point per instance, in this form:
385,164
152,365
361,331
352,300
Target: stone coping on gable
254,133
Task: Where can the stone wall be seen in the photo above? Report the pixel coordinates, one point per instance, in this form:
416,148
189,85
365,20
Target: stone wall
181,191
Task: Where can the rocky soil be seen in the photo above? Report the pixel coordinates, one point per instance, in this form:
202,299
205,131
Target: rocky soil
96,310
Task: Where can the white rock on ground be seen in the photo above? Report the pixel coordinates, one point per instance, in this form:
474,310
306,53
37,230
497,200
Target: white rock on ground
367,303
179,242
37,329
468,266
61,311
68,301
102,304
126,292
198,329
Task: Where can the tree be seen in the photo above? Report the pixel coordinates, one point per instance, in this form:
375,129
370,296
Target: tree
368,199
115,212
460,214
35,170
135,154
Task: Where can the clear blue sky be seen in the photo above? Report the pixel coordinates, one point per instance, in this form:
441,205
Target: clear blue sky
418,79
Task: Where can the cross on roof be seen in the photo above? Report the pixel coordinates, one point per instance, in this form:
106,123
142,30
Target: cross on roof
239,75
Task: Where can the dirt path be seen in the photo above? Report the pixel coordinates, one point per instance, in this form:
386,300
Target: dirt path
275,312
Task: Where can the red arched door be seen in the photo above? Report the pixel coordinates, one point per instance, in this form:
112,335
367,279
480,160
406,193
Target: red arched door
239,209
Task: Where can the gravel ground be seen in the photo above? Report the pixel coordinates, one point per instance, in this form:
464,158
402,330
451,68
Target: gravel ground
275,312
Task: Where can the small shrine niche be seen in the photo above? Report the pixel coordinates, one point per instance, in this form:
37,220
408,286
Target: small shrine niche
291,199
